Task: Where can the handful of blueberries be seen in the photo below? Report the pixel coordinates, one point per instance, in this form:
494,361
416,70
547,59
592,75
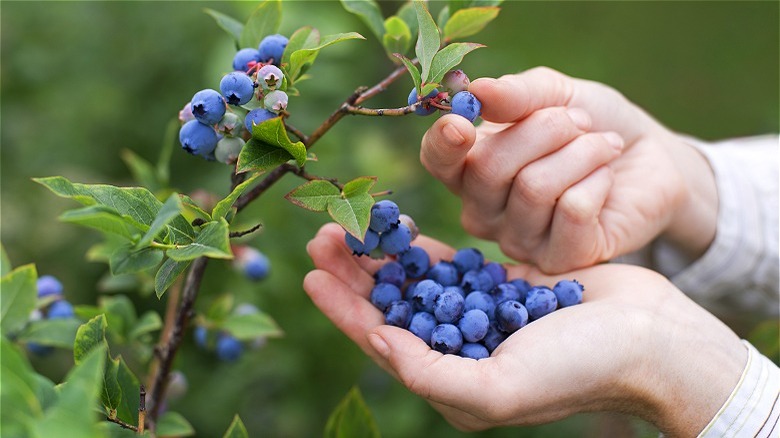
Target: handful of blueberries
462,306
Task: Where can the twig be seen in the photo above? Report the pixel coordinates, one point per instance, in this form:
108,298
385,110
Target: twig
299,171
245,232
296,132
141,409
390,112
382,85
274,176
236,179
122,423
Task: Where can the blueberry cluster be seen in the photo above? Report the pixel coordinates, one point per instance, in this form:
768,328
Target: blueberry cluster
389,232
49,288
455,84
216,124
251,262
227,347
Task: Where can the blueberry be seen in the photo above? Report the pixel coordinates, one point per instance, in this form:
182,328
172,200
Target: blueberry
60,309
237,88
398,313
185,114
370,242
443,273
425,294
48,285
243,57
271,48
522,287
482,301
474,325
494,337
228,348
245,309
511,316
276,101
457,289
455,81
568,292
197,138
422,325
448,306
391,272
270,77
39,350
256,265
424,109
540,301
230,125
409,292
497,272
468,259
446,338
208,106
383,294
505,292
477,280
384,214
474,351
395,241
415,261
467,105
256,117
201,336
228,149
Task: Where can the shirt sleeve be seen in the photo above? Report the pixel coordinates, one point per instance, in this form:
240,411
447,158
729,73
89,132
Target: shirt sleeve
752,409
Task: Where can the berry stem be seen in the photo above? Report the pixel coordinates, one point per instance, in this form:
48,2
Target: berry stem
390,112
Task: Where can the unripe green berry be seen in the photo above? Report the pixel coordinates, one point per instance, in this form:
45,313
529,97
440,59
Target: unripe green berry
276,101
228,149
230,125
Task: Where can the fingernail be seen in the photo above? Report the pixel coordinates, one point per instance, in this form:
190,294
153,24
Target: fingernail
379,344
580,117
614,140
452,135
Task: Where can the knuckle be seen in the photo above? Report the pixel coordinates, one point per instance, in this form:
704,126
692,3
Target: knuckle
473,224
532,187
577,208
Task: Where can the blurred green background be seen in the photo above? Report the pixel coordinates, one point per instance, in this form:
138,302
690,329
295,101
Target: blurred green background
81,81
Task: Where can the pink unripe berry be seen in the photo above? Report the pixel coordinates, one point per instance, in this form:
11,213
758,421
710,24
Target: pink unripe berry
456,81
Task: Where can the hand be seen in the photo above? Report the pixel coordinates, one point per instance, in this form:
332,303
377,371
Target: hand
636,345
565,173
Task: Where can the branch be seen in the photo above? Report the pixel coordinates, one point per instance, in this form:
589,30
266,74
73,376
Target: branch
390,112
258,190
382,85
121,423
296,132
299,171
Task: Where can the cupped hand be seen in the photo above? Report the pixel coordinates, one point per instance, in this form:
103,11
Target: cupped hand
636,344
565,173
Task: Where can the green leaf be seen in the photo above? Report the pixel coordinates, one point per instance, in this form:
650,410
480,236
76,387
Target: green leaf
173,424
18,392
300,59
398,38
449,57
190,204
264,21
359,185
223,207
143,172
412,71
427,88
428,39
148,322
260,156
213,241
407,13
102,218
352,418
251,326
167,275
467,22
120,314
89,336
302,38
229,24
127,410
59,332
220,308
168,212
111,392
352,213
368,11
5,262
313,195
236,429
18,293
126,260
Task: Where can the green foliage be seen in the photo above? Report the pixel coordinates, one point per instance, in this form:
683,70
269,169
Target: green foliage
449,57
369,13
398,37
274,133
167,274
59,332
236,429
229,24
223,207
265,20
18,292
301,59
172,424
351,418
428,39
5,262
213,241
467,22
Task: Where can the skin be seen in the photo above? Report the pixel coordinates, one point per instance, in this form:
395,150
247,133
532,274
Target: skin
636,344
565,173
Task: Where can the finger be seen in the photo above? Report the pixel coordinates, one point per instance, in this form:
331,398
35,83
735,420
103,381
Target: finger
492,163
444,149
537,187
329,252
486,129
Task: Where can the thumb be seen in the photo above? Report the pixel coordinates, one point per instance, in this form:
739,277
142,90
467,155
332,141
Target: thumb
444,149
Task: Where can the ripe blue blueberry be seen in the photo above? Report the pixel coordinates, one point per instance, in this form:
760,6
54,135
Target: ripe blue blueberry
522,286
467,105
384,214
383,294
425,294
422,325
391,272
60,309
540,301
448,307
271,48
399,314
455,81
237,88
474,325
415,261
494,337
474,351
201,336
409,292
197,138
446,338
370,242
48,285
229,349
444,273
395,241
256,117
477,280
256,265
243,57
511,316
424,109
457,289
505,292
38,349
276,101
568,292
270,77
468,259
497,272
482,301
208,106
228,149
